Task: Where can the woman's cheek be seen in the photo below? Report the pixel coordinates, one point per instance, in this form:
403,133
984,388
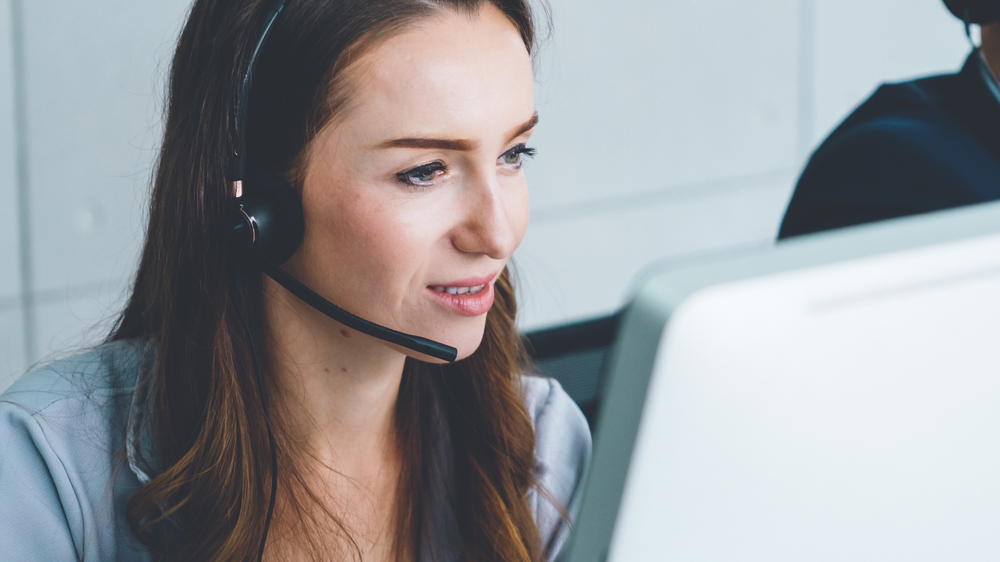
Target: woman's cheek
521,212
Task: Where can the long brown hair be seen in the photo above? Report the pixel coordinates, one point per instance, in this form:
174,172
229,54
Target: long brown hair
211,488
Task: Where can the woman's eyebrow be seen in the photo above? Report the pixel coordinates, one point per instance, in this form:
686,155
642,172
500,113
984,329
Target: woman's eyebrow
525,127
452,144
420,142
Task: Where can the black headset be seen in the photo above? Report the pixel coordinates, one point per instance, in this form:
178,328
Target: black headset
268,228
269,225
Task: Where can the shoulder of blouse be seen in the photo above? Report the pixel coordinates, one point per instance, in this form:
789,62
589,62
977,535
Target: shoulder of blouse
562,459
62,427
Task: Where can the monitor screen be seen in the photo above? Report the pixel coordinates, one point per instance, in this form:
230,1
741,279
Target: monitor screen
832,399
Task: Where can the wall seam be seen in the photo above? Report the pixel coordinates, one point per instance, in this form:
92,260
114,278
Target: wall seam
23,182
807,76
694,190
101,290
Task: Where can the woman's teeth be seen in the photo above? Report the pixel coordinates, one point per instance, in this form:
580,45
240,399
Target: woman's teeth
460,290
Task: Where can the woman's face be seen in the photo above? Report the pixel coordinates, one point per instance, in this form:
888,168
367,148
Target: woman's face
414,197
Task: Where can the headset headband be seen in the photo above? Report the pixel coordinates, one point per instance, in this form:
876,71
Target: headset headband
243,103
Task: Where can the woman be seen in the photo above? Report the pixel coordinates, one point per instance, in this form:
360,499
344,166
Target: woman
401,126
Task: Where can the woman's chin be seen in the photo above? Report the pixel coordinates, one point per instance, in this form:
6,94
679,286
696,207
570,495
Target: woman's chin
468,341
465,343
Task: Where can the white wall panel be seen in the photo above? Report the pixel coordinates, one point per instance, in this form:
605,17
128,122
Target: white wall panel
95,88
10,263
12,359
67,324
571,268
860,44
638,96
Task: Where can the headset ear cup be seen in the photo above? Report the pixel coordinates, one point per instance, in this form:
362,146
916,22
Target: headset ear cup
277,211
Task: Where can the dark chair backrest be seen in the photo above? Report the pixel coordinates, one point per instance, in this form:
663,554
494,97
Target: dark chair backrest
576,356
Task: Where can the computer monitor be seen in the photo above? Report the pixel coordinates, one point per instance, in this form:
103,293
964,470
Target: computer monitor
835,397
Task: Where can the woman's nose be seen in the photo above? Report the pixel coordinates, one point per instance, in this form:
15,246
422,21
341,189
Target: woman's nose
488,225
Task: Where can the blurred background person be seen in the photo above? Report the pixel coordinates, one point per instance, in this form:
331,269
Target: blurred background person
912,147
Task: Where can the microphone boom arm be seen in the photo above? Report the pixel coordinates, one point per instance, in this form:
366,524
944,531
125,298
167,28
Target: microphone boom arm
310,297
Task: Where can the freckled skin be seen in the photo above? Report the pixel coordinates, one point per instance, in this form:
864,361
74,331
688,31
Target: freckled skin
374,245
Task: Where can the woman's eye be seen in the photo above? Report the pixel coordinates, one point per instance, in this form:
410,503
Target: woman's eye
422,176
515,156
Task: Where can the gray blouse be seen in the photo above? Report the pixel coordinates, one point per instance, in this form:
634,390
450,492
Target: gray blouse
63,488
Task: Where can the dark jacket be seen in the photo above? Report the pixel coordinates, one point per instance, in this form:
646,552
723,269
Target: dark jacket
910,148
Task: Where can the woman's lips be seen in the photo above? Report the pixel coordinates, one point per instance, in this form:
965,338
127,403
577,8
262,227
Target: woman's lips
469,297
